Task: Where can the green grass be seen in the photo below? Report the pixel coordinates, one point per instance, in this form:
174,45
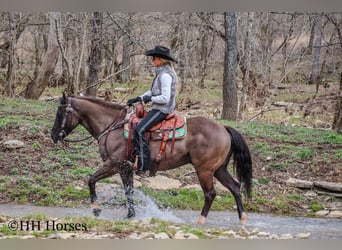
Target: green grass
188,199
44,175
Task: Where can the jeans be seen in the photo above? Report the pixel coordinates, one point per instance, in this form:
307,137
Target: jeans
143,149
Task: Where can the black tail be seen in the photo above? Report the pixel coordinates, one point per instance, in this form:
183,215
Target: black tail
242,159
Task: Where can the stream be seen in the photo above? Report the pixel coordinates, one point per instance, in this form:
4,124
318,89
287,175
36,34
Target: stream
319,228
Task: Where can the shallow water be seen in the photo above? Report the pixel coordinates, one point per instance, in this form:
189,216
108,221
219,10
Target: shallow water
319,228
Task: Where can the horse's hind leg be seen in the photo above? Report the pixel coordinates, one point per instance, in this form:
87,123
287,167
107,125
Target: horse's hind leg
105,171
206,181
227,180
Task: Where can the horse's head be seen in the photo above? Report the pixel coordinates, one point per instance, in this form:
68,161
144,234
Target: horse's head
66,119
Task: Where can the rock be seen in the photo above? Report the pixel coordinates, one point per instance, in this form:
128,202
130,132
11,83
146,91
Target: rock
244,232
255,231
310,194
162,236
263,234
322,213
13,144
286,236
183,235
229,233
26,237
302,236
335,214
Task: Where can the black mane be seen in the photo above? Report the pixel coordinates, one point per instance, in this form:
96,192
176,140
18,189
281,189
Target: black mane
101,102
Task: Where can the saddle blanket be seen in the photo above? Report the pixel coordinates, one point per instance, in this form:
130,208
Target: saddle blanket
159,130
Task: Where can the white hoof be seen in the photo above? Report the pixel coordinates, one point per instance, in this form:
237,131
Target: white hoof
201,220
243,219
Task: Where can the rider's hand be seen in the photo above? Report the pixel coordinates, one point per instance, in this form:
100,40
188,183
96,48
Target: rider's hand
130,102
147,98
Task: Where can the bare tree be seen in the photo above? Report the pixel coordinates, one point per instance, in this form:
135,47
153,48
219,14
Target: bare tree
126,51
337,123
11,66
36,87
95,56
230,102
316,50
247,63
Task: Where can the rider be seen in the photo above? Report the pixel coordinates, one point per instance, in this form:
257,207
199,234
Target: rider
163,97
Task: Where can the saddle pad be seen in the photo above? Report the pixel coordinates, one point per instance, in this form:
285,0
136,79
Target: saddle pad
157,131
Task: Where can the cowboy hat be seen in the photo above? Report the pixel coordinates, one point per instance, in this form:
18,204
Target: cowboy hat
161,52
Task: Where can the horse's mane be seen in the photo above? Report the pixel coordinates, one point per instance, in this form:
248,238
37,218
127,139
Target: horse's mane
101,102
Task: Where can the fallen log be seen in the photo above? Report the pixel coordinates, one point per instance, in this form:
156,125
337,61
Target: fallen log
292,182
331,187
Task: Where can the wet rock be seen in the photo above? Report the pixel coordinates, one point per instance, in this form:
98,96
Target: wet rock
13,144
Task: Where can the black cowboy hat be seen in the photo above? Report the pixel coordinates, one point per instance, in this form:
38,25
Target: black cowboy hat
160,51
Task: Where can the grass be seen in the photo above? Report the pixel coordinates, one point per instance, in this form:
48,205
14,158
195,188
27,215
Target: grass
45,175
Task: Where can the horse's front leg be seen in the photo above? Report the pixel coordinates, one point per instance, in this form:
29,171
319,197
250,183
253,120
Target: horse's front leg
126,174
108,169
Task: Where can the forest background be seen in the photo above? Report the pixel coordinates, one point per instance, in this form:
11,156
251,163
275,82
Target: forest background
247,53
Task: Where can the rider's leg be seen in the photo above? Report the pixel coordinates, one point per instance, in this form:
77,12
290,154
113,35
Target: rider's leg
143,149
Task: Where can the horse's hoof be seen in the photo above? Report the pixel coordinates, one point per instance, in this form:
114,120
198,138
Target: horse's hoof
201,220
97,211
131,213
243,219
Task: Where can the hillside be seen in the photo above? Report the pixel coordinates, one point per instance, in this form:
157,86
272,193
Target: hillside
284,144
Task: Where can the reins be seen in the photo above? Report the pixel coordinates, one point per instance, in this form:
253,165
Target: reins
70,110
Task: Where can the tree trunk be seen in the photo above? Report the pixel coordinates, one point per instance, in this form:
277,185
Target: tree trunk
337,123
95,56
183,49
230,103
316,51
82,46
11,68
126,52
247,64
38,85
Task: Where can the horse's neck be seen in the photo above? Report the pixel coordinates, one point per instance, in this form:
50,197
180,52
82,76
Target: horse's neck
95,117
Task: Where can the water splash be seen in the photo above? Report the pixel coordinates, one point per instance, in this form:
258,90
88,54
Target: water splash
146,208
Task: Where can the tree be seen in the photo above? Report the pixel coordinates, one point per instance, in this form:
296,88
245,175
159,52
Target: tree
95,56
246,63
230,102
36,87
11,68
316,50
337,123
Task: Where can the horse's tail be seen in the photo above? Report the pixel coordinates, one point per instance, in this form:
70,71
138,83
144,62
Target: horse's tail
242,159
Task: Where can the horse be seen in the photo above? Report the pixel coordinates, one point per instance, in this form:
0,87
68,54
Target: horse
208,146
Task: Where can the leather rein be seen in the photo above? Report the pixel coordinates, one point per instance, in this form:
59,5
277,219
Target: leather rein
69,110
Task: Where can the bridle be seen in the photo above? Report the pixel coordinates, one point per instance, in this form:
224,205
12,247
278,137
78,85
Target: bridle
68,111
